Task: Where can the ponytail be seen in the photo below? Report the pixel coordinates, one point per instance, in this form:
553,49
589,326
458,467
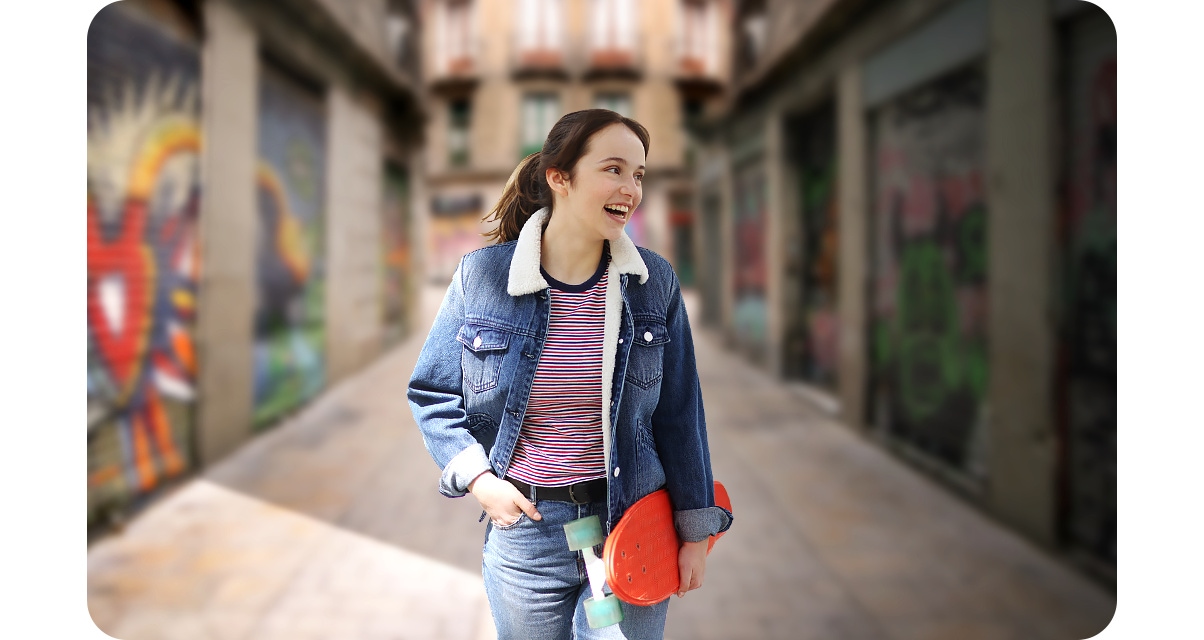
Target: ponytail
525,193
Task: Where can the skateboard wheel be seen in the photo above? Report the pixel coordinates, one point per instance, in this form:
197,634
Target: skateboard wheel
604,612
584,533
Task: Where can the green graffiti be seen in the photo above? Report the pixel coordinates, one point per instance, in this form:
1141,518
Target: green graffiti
924,342
882,343
972,244
975,369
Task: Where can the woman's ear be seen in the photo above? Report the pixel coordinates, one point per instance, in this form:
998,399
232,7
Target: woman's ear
558,181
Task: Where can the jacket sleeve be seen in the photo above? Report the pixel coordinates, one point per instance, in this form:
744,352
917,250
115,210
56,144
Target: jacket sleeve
679,419
436,398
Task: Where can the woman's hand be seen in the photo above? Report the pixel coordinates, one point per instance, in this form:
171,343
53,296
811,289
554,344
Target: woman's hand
501,500
692,562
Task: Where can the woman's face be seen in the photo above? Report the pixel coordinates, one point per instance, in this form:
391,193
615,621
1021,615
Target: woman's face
608,183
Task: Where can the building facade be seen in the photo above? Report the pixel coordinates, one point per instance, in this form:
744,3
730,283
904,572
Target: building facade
914,203
249,221
500,73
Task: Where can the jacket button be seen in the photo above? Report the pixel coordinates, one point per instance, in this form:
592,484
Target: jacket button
616,472
620,341
476,343
647,336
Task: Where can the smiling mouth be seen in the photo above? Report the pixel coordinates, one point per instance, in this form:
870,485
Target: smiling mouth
617,211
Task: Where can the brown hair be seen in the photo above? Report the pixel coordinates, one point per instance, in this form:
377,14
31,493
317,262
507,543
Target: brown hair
527,189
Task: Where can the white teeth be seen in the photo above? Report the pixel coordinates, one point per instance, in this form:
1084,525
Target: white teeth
622,208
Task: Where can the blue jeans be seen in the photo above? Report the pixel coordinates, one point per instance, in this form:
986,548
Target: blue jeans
537,587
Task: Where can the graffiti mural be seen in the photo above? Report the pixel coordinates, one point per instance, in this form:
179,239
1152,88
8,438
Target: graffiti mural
290,188
710,281
455,229
928,292
681,230
751,270
396,293
814,326
1086,385
143,199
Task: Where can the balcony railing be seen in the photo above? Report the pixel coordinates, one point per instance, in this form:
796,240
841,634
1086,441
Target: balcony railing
538,59
614,59
457,70
695,70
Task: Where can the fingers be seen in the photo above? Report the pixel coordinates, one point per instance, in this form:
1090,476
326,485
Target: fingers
690,580
528,508
691,567
523,503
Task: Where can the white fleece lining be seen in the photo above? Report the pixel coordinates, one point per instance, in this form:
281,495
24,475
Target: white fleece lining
525,278
610,348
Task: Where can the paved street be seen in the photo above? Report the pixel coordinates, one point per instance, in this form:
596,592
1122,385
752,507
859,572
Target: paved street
330,526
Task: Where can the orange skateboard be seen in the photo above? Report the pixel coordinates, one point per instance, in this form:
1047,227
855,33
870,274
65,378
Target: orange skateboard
639,558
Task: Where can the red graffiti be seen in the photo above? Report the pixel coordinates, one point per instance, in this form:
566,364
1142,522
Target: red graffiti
121,332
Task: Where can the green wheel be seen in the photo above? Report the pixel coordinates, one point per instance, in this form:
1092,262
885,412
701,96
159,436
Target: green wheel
584,533
604,612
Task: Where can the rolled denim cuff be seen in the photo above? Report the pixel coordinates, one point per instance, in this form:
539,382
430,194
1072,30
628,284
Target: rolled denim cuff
694,525
463,469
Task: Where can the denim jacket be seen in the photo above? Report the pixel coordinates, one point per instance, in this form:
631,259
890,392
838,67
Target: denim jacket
470,387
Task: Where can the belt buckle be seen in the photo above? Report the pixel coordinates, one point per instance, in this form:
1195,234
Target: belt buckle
574,498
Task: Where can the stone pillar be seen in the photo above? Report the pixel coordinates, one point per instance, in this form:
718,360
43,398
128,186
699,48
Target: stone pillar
727,243
229,226
353,209
1020,199
775,239
853,263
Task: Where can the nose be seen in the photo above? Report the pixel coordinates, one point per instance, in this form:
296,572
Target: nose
629,187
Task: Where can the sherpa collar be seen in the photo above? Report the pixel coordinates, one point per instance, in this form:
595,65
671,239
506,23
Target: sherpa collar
524,266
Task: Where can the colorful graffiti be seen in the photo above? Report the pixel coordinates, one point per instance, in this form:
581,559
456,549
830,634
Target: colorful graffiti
396,292
751,268
681,229
452,236
1086,384
289,366
143,198
710,281
928,323
815,323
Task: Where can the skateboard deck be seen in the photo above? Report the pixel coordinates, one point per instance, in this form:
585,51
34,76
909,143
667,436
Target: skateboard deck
641,551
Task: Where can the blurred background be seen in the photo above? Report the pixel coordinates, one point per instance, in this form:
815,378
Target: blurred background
902,210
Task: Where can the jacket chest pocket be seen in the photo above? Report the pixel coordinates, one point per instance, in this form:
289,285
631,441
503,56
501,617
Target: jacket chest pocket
645,365
481,358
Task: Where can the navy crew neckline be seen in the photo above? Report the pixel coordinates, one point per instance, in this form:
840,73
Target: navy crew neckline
584,286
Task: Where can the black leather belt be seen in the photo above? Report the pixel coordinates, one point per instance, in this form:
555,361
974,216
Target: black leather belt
580,493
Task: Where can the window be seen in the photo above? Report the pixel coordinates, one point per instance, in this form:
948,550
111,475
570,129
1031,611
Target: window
459,114
612,24
755,27
457,36
397,33
540,112
692,109
617,102
696,43
542,22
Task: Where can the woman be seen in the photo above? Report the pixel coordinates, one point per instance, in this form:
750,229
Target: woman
536,336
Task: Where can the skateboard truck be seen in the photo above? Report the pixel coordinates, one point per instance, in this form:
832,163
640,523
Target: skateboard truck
601,610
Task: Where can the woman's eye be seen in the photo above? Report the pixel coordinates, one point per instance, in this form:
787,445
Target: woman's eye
614,170
639,176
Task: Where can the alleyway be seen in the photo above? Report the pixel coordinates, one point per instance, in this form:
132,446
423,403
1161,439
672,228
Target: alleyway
330,526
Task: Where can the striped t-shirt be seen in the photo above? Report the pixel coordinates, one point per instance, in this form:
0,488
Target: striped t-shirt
561,438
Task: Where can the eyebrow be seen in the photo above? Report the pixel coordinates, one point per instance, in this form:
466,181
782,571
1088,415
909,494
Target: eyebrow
616,159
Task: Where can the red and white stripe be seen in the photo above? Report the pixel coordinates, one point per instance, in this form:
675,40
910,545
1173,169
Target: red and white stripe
561,438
